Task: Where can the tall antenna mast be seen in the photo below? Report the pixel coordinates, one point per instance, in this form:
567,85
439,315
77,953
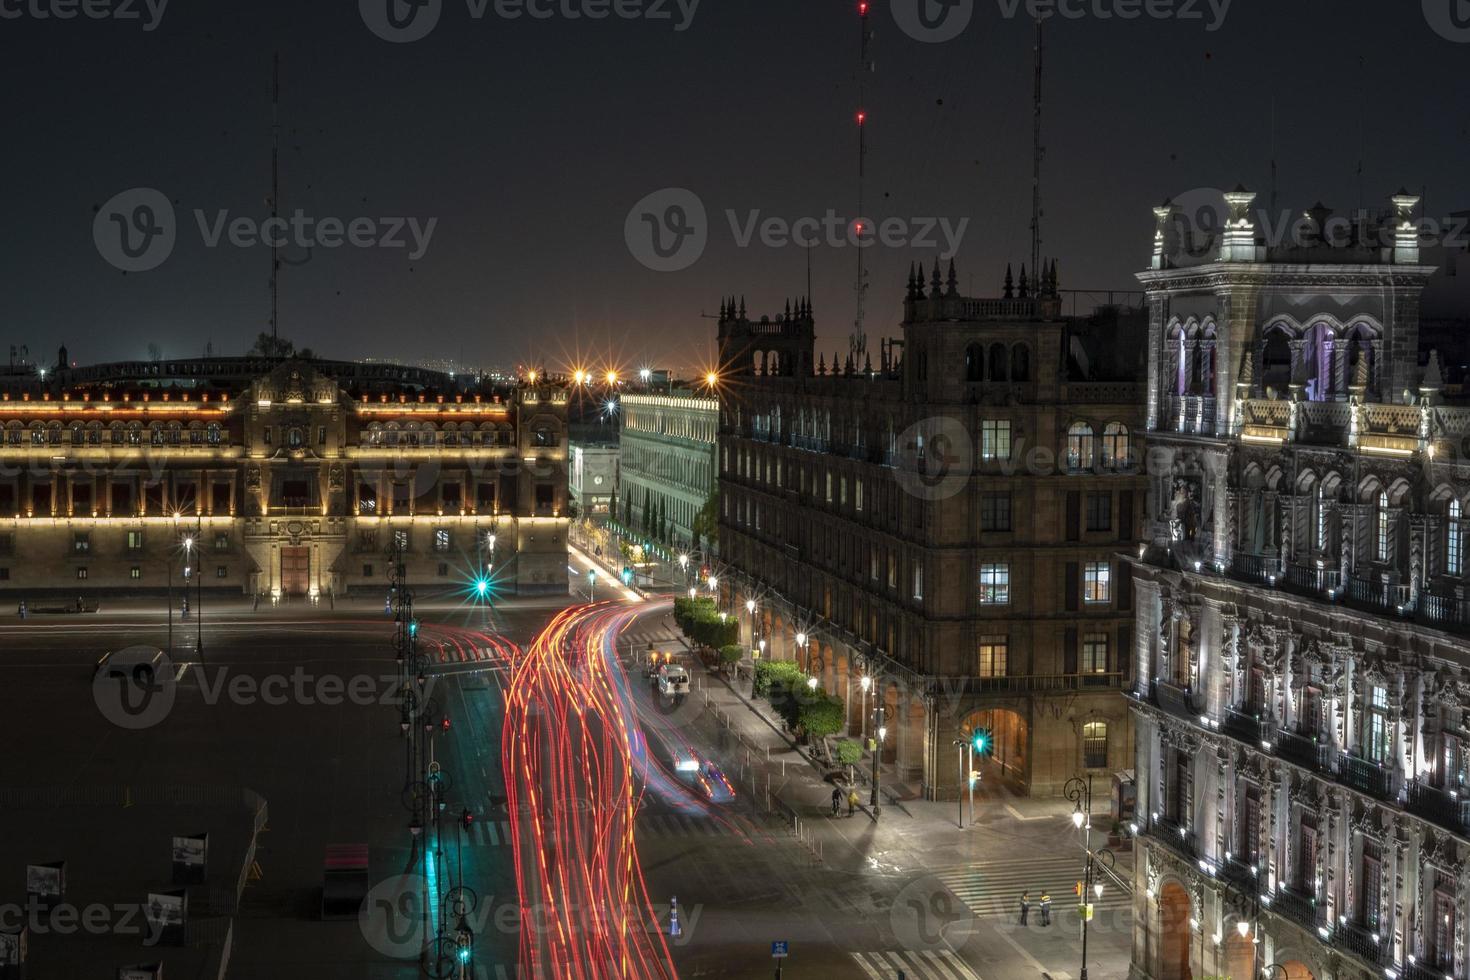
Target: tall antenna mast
1037,153
275,188
858,342
1273,157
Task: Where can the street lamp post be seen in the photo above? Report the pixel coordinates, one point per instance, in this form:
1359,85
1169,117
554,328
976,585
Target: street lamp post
750,612
882,732
801,646
865,683
1080,792
591,584
960,744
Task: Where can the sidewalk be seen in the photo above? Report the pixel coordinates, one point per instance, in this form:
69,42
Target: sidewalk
786,778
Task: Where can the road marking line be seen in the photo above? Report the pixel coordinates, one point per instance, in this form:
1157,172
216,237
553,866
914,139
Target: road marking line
1017,814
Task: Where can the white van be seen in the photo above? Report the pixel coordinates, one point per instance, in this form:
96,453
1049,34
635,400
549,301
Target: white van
673,679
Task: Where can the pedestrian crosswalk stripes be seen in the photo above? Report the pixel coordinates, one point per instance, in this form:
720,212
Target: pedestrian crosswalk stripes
993,888
915,964
493,832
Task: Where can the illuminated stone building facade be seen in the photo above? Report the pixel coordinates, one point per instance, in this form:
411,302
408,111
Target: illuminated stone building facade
1302,692
283,477
666,457
946,523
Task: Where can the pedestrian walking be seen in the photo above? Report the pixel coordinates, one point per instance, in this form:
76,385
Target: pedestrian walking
1025,906
1045,909
852,802
388,604
22,609
836,800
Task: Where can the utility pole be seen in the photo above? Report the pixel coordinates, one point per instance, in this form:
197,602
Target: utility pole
1037,152
858,342
275,192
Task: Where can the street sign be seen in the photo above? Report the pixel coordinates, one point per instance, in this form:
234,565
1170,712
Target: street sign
778,950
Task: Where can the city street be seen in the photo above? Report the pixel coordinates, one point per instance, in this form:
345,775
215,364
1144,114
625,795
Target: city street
906,893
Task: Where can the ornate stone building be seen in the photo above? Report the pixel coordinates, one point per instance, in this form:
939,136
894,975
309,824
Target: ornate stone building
1303,662
946,524
281,477
666,457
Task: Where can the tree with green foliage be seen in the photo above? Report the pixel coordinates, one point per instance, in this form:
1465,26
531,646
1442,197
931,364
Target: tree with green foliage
731,654
706,523
820,716
849,754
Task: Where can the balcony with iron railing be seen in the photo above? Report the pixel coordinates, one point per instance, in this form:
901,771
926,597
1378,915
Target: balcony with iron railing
1446,807
1176,837
1310,751
1377,594
1362,942
1247,726
1443,610
1260,569
1024,683
1366,777
1313,579
1425,969
1244,876
1176,700
1298,906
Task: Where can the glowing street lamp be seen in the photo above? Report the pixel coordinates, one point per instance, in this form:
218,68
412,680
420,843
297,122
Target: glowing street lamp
612,377
714,584
644,375
750,605
711,380
692,592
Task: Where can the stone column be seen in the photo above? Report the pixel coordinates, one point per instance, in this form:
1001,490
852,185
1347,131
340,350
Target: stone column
1298,361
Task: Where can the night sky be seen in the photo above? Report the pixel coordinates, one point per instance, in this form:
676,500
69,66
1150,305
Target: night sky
530,141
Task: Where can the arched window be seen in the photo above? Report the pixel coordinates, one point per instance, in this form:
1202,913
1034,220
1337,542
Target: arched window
1020,363
1321,520
1384,527
1116,452
1095,744
1454,545
1276,363
974,363
1079,446
997,362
